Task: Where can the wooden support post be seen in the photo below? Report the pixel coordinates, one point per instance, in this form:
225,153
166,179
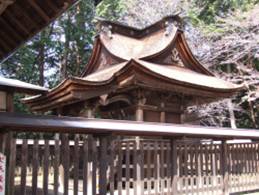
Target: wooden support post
224,167
162,113
103,165
139,114
174,166
10,149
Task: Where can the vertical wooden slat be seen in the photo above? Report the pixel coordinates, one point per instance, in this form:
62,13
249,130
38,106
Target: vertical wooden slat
127,168
192,168
199,167
206,167
138,168
46,168
148,168
135,160
168,171
94,165
56,164
142,166
181,166
11,154
85,166
66,162
224,166
112,159
185,168
24,161
197,172
35,166
103,165
76,163
156,184
119,167
162,168
174,166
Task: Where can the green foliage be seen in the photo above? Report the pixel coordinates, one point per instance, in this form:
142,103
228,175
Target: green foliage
205,14
110,9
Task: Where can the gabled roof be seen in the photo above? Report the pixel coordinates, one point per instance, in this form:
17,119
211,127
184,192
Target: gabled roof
20,86
121,60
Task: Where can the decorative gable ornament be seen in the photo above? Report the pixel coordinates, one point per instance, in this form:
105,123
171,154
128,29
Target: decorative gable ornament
176,57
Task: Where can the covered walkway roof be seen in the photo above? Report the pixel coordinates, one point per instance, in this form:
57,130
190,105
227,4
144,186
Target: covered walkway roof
20,20
20,86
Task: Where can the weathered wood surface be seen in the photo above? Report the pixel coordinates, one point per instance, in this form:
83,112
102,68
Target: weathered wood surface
108,165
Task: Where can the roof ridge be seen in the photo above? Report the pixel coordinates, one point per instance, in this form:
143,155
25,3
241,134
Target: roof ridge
138,32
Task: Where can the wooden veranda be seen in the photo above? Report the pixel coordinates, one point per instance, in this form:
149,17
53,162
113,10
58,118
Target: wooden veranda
96,156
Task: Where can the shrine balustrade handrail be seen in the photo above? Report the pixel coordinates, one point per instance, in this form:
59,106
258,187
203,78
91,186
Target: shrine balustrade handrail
55,124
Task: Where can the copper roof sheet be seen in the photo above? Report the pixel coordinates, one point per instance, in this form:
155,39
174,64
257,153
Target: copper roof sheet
188,76
180,74
127,47
104,74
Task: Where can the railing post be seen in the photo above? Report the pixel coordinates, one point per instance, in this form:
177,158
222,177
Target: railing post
103,165
224,167
139,117
174,166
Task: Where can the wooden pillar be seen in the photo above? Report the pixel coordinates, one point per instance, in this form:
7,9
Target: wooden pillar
224,167
139,114
10,149
162,114
174,166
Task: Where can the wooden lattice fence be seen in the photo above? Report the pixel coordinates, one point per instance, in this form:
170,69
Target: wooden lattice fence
84,164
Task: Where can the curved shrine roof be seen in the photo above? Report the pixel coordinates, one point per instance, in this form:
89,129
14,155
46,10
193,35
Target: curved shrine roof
124,56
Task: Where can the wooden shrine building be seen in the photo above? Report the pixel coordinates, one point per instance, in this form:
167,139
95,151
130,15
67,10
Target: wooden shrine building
102,141
145,74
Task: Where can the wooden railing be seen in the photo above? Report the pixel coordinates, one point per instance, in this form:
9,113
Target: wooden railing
106,164
93,156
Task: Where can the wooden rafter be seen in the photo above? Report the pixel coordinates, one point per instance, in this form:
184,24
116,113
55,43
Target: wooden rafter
4,43
11,29
11,17
39,10
7,39
32,22
52,6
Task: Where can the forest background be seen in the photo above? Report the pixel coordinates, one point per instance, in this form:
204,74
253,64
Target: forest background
223,35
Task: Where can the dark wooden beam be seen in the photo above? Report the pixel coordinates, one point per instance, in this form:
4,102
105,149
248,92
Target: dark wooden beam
19,9
11,29
52,6
9,41
39,10
5,46
11,17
